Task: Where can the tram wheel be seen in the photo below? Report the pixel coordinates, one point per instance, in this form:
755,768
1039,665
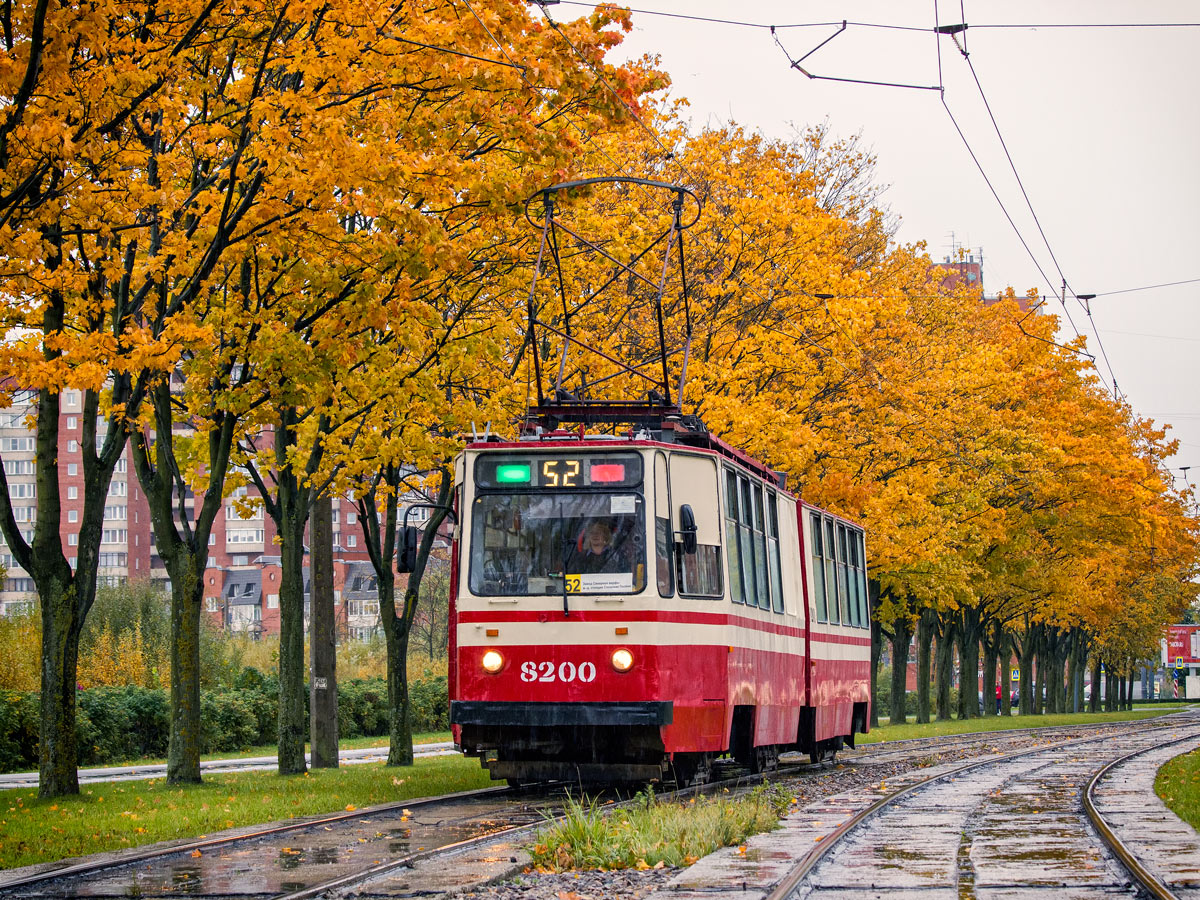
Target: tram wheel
692,768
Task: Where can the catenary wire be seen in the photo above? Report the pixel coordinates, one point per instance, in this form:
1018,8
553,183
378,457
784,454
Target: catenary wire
1032,212
739,23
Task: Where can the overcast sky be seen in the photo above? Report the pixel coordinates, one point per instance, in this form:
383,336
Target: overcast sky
1103,125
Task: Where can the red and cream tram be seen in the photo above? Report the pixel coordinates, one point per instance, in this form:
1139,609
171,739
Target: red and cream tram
631,608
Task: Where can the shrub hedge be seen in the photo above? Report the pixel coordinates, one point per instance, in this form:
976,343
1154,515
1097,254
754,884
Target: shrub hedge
127,723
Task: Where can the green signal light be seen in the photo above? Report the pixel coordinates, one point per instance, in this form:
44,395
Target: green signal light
512,474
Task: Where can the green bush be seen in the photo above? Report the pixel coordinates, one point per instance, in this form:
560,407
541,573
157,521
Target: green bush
114,724
428,699
228,722
18,730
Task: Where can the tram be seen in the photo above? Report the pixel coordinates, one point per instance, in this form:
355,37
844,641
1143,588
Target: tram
629,609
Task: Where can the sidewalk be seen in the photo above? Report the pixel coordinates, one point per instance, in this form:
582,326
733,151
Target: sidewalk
248,764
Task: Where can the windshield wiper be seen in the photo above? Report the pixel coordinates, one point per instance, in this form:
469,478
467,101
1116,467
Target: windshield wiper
563,560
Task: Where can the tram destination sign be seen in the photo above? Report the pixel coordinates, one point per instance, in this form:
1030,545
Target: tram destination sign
558,470
1183,645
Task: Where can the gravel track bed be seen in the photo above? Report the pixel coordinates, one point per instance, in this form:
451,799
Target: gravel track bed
858,771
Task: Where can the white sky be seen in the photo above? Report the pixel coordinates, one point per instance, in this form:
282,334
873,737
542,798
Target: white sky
1103,125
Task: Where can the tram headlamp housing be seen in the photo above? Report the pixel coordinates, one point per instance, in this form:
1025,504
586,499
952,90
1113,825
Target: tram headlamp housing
622,660
492,661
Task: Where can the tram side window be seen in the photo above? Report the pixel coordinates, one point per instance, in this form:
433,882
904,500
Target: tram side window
747,541
831,579
844,578
773,553
762,592
732,540
860,565
662,553
818,568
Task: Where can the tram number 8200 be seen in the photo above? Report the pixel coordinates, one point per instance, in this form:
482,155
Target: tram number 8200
567,671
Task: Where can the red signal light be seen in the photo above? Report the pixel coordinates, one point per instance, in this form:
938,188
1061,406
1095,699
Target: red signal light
605,473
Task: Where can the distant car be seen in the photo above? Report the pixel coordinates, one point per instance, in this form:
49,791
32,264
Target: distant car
1014,699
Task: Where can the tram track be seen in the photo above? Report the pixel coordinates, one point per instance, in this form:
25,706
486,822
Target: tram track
866,852
359,854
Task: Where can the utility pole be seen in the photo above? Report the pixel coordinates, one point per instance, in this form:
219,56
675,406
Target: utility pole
322,682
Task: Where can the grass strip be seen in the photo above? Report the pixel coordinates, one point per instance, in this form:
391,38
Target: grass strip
1178,784
1006,723
650,834
116,815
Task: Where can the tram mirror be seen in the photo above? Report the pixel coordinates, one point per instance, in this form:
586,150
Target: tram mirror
406,562
687,528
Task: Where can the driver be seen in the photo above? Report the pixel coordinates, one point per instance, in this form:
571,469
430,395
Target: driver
598,554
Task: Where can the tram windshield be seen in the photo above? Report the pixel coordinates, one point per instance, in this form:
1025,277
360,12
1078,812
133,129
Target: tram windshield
525,544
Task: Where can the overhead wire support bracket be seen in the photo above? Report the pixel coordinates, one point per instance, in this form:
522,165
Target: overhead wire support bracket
795,64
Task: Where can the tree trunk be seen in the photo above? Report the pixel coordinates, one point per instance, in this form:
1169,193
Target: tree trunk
322,643
1004,657
1094,700
292,725
187,597
901,638
1027,649
1110,689
945,667
57,750
993,698
1070,699
968,658
1039,674
1053,677
924,667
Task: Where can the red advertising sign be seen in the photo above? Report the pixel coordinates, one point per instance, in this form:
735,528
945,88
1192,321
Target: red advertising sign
1183,643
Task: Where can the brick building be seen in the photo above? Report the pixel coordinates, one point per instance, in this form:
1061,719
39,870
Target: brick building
241,583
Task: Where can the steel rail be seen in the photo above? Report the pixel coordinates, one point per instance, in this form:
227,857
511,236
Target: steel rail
1150,881
808,862
353,878
141,856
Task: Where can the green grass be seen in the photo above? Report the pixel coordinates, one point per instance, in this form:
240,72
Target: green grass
116,815
1178,784
650,833
910,729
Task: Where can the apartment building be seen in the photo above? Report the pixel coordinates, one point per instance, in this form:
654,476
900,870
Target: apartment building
241,583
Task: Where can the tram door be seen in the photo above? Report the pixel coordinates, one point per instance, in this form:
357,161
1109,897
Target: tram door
694,483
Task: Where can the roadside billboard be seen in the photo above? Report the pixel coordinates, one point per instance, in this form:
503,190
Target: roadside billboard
1183,646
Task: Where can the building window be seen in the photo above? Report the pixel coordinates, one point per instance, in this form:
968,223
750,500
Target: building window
22,490
72,492
240,560
351,540
114,536
351,518
72,515
72,422
72,446
118,489
72,469
272,601
73,539
210,603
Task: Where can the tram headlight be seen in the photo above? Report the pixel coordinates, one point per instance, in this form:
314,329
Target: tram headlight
492,661
622,660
